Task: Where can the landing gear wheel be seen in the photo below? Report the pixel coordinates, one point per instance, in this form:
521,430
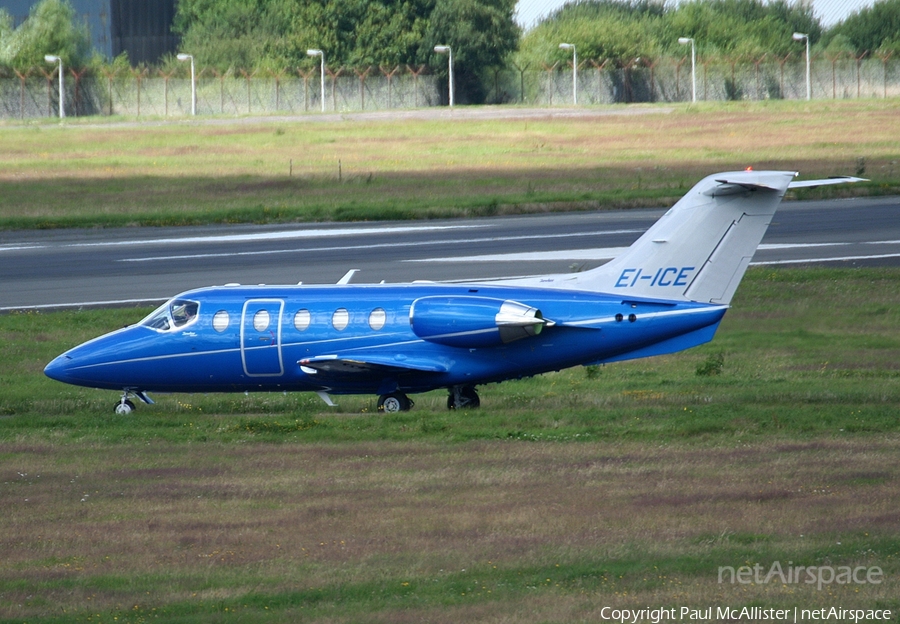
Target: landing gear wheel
124,407
463,397
394,402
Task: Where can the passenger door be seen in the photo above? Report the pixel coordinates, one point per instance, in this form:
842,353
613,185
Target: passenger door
261,337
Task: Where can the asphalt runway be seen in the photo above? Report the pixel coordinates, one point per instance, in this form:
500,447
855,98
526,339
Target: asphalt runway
81,268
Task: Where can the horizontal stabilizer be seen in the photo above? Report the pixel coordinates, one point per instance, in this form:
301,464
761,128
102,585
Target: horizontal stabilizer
825,182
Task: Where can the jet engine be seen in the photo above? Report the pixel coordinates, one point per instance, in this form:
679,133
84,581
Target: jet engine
472,322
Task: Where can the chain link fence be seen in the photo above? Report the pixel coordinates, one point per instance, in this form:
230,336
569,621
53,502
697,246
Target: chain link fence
155,93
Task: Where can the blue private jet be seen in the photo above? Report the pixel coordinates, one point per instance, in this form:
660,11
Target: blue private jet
665,293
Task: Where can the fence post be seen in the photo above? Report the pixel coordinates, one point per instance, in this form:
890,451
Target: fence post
77,101
165,78
138,74
362,85
521,71
550,82
757,63
109,77
629,89
306,76
781,62
248,77
884,60
277,77
49,77
390,78
22,78
858,69
416,73
599,67
334,76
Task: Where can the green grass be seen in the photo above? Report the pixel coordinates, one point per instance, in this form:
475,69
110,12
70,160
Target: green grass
81,174
624,486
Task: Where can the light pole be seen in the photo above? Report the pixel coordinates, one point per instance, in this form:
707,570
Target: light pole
443,49
52,58
685,41
188,57
321,54
571,46
805,37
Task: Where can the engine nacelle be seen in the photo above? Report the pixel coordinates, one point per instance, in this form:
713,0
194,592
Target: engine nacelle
472,322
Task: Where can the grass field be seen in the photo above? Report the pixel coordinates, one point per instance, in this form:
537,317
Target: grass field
625,486
120,173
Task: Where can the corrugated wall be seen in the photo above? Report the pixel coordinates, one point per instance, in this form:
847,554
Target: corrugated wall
143,28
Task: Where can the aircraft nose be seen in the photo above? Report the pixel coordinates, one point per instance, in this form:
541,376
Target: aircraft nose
58,369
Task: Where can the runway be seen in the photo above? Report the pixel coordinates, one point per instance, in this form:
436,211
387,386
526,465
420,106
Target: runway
82,268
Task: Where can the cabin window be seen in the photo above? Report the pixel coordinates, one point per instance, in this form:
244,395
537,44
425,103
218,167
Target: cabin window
174,314
221,321
340,319
377,319
301,320
261,320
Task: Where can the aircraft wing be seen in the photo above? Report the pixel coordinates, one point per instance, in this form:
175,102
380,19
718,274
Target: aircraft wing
370,365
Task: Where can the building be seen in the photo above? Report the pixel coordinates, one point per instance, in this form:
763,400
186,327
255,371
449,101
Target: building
142,28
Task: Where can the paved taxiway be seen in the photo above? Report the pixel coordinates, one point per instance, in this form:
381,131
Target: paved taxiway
71,268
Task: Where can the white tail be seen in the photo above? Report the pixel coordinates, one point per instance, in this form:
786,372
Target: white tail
700,249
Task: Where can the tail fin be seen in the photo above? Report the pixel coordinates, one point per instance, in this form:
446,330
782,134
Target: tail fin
700,249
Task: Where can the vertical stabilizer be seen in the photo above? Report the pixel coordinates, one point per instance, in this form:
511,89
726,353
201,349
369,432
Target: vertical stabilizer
700,249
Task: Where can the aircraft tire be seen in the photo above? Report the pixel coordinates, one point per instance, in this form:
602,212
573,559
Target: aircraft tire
395,402
123,408
463,397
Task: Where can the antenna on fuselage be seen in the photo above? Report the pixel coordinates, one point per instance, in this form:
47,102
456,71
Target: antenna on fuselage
348,276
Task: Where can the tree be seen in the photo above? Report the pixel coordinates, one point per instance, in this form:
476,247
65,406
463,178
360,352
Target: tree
249,34
621,30
49,29
876,28
482,35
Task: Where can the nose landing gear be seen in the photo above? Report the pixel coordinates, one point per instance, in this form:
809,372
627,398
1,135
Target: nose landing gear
125,406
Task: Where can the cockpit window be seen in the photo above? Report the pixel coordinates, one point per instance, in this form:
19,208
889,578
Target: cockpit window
172,315
183,312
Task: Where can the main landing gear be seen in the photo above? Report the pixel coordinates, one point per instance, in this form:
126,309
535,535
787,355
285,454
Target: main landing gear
463,397
394,402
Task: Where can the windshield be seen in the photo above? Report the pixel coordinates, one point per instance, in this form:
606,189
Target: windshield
172,315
